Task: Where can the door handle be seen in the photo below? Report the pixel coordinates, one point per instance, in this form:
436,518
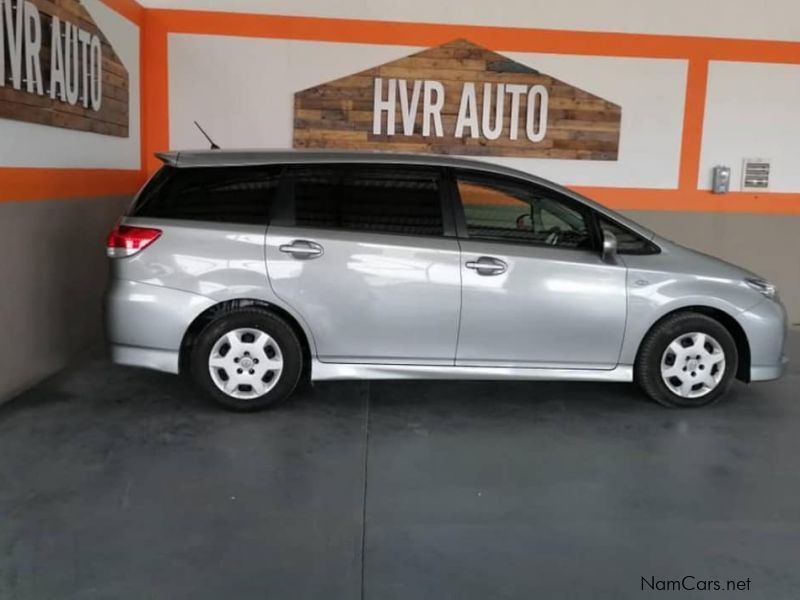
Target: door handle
486,265
302,249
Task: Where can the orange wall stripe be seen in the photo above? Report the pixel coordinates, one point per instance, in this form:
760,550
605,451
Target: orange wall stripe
497,38
52,184
693,118
38,184
130,9
155,107
693,200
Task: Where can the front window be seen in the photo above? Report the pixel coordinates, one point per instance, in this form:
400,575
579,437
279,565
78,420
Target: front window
518,211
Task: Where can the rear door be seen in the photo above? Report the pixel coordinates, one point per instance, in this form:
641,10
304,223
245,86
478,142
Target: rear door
536,292
368,257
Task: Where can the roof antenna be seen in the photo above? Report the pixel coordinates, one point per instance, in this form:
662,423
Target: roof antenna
208,137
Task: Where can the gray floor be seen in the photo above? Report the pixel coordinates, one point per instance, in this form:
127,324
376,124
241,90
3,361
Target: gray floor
119,483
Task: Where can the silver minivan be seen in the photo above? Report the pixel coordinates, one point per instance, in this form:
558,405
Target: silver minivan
254,270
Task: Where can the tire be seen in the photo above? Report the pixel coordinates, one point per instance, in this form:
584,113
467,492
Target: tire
686,380
241,379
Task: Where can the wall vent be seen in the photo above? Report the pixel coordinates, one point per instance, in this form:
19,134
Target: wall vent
755,174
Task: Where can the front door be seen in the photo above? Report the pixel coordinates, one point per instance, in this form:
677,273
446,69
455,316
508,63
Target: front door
362,255
535,290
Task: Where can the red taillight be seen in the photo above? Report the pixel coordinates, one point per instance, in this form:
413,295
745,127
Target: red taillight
127,241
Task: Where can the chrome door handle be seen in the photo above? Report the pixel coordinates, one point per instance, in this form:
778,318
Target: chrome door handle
302,249
486,265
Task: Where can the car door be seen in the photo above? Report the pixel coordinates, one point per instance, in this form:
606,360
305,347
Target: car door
368,257
536,292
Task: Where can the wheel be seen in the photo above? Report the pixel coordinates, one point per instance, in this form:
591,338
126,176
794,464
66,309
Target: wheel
247,360
687,360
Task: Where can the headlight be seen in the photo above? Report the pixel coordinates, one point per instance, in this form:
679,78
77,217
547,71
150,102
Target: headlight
762,286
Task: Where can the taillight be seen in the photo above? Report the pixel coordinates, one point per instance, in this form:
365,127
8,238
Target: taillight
126,241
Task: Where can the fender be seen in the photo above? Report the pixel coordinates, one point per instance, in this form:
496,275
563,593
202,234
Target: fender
649,301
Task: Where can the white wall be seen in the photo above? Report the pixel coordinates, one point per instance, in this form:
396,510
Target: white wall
752,112
652,94
242,92
31,145
767,19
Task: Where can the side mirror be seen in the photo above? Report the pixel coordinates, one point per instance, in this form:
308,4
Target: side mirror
609,247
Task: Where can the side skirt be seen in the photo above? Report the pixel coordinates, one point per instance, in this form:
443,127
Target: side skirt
321,371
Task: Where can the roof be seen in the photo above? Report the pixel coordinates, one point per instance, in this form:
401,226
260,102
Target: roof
242,158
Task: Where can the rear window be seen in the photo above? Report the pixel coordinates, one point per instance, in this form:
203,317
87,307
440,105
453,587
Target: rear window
223,194
379,199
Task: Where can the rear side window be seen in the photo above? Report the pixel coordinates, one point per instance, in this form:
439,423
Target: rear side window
368,198
224,194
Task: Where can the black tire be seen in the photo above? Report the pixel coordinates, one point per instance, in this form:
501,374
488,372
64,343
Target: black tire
249,318
647,370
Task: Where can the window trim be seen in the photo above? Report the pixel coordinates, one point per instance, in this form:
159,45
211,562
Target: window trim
461,218
284,211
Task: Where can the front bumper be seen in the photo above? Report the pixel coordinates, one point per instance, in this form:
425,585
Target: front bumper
769,373
766,327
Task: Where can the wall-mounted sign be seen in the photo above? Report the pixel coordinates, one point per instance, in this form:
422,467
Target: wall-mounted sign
458,98
58,69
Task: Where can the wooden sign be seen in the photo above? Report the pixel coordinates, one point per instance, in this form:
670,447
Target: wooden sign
458,98
58,69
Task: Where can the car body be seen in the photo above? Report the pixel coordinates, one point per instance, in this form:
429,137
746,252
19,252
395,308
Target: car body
425,271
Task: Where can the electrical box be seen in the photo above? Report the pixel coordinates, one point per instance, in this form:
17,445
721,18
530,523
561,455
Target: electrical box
721,182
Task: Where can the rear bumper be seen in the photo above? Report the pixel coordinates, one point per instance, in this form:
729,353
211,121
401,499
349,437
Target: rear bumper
145,324
766,327
148,358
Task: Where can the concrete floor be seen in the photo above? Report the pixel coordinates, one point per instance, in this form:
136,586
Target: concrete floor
119,483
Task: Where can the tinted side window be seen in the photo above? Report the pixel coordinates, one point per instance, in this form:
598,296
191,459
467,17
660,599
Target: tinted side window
398,200
225,194
499,209
627,241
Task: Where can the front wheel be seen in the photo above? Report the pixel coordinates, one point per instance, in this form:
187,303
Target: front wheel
247,360
687,360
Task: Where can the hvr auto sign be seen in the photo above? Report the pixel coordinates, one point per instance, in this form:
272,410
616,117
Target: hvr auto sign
458,98
58,68
76,56
491,124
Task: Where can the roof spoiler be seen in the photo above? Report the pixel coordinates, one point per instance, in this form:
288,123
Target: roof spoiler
168,158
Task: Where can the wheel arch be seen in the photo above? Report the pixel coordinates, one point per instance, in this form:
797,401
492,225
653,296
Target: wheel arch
227,306
723,318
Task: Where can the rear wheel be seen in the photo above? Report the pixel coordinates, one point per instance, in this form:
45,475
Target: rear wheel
687,360
247,360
